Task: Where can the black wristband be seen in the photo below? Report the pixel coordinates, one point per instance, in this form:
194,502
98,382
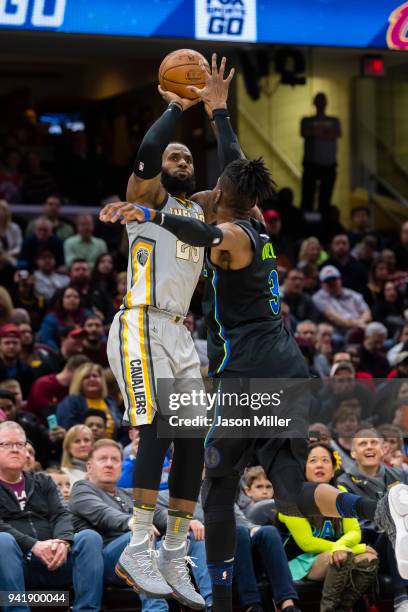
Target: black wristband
149,157
220,112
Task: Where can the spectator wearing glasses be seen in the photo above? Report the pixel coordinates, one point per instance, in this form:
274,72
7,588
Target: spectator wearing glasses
37,542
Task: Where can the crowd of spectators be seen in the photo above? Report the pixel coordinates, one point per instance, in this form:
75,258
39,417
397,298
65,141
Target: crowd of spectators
69,460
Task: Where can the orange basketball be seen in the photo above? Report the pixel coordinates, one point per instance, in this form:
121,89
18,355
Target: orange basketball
180,69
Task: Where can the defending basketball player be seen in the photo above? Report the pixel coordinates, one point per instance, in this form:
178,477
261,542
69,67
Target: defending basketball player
148,341
246,337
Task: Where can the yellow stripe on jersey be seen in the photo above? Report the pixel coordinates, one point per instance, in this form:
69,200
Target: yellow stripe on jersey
131,396
145,364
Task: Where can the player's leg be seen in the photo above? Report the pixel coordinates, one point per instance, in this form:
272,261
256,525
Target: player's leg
130,348
184,487
218,497
186,471
224,458
137,563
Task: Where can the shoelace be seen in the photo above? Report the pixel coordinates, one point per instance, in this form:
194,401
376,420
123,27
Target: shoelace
181,564
145,561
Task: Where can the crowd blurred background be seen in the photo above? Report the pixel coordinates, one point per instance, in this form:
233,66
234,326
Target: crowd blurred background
343,296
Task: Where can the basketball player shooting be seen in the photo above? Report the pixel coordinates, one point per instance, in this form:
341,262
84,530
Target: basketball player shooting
148,341
246,337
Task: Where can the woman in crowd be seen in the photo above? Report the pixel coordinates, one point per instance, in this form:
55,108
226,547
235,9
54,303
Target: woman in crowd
377,278
329,549
66,310
389,309
11,237
104,274
88,389
31,354
311,252
77,446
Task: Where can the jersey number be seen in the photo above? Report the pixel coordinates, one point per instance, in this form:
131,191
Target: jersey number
187,252
273,283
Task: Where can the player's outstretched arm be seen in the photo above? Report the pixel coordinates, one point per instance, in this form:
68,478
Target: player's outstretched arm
144,184
215,96
226,237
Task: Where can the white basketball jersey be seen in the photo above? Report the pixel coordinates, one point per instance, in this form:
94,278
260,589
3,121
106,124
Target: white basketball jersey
163,271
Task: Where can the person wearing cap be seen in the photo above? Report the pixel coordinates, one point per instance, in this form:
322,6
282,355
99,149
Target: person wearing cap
71,343
282,244
11,366
341,386
47,279
342,307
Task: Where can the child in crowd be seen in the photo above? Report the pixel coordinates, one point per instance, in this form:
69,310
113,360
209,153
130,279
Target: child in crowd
62,481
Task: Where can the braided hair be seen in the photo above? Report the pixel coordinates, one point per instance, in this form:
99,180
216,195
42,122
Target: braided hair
247,182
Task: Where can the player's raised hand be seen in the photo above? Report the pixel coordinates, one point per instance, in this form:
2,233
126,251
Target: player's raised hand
184,103
215,92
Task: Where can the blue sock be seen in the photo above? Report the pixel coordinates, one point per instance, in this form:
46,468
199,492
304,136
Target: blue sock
221,580
354,506
346,505
221,573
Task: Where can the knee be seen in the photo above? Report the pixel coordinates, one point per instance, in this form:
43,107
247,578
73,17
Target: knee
90,539
268,533
242,533
10,552
217,496
8,545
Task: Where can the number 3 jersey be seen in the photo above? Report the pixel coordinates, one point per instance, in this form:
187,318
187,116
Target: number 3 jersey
163,271
246,335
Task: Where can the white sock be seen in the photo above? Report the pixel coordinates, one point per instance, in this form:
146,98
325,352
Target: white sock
142,523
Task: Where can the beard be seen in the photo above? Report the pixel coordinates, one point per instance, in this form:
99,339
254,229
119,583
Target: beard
175,185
